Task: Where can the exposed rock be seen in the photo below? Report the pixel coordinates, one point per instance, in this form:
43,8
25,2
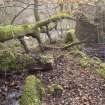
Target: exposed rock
85,30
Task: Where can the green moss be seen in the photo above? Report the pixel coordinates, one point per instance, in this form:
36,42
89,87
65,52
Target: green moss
101,72
33,91
70,37
84,60
13,58
101,69
11,31
55,89
55,18
51,26
14,61
44,59
61,15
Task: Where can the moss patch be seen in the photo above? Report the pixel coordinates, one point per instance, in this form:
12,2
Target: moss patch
13,61
101,69
33,91
55,18
55,90
70,36
86,62
10,31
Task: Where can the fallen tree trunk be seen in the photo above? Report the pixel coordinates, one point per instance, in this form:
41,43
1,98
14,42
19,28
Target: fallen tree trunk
73,44
19,31
33,92
76,43
11,31
55,18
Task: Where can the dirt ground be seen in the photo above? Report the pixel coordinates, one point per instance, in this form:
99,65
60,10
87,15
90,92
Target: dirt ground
81,86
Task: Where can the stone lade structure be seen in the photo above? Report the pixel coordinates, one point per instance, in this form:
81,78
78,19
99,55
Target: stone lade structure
90,26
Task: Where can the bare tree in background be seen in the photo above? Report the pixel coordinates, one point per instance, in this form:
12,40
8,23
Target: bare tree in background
36,14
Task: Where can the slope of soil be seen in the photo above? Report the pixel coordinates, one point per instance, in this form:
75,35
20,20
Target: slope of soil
81,86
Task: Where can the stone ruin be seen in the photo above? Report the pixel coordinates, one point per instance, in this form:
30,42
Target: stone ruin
90,26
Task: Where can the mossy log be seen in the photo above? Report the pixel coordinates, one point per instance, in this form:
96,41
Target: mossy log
55,18
19,31
10,31
33,92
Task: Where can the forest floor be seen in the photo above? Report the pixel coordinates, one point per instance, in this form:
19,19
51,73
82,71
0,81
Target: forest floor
82,86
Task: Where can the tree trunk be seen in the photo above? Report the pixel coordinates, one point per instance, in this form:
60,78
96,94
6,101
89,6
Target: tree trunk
36,14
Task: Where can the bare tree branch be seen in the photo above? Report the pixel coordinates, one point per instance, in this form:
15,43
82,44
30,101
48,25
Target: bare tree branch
19,13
